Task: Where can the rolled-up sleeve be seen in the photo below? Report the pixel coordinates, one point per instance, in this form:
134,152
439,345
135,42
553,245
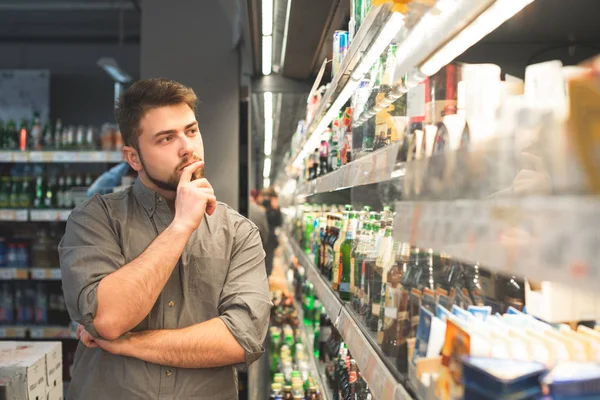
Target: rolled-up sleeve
88,252
244,304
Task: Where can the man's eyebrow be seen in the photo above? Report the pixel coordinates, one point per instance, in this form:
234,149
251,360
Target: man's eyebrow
171,131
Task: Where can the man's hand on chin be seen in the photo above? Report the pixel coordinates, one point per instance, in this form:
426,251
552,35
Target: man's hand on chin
114,347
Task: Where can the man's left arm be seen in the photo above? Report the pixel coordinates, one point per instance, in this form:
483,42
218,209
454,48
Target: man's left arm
235,337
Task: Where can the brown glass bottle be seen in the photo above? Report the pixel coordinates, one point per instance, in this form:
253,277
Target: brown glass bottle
392,301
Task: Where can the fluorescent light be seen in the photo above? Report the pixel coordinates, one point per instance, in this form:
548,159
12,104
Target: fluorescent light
267,168
485,23
268,137
285,33
267,54
268,113
267,17
268,105
266,182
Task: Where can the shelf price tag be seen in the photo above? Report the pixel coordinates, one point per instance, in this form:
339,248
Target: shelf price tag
65,156
114,156
20,156
7,215
7,273
6,156
37,333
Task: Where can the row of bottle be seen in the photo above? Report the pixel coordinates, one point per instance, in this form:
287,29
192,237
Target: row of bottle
41,192
26,303
385,282
34,136
289,358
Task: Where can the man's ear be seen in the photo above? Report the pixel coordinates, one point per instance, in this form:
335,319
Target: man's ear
132,157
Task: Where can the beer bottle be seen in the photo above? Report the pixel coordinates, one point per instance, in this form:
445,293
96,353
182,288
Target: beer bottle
48,136
5,192
36,133
38,199
14,192
23,135
346,286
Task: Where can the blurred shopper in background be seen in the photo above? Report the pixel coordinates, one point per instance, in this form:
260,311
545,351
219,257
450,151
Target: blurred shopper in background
270,201
258,215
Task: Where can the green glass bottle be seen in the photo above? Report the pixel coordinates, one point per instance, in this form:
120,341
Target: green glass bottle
5,192
25,194
39,193
11,135
346,284
309,305
308,230
14,192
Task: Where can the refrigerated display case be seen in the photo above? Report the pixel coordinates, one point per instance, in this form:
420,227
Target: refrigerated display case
462,232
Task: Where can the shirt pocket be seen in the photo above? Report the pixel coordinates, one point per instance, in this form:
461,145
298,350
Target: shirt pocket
206,279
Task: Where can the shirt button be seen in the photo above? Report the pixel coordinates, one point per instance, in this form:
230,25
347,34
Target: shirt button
171,303
169,373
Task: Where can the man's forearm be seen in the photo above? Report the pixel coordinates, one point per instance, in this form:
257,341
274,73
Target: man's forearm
206,345
126,296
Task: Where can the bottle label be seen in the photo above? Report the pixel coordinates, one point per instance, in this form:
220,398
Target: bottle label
344,287
325,333
375,308
351,232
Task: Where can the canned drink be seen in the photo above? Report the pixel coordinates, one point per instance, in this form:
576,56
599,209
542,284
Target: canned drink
340,46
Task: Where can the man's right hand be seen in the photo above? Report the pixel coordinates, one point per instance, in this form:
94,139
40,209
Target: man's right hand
194,198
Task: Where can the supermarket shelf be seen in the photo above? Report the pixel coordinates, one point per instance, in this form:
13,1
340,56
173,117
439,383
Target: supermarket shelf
60,156
49,215
52,332
372,168
328,298
318,370
13,332
542,238
362,42
381,381
17,214
45,274
25,214
10,274
38,274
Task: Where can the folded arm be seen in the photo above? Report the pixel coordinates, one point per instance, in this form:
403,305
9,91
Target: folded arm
103,293
235,337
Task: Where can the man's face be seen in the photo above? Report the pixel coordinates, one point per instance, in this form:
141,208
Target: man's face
169,141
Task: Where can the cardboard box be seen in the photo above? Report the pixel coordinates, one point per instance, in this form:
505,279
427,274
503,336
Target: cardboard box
56,393
29,371
54,363
11,389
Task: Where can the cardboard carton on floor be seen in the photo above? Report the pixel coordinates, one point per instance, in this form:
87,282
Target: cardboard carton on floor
54,363
56,393
28,369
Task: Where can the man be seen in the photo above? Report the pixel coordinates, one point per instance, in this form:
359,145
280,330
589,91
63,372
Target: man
258,215
271,204
168,284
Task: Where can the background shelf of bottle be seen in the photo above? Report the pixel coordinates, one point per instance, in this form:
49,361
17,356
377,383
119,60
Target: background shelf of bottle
308,334
37,274
543,238
363,40
381,380
36,333
372,168
60,156
24,214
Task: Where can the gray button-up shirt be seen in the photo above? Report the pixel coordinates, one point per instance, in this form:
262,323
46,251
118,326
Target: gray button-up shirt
221,273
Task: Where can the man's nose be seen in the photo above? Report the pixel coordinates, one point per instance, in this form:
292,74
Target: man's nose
187,147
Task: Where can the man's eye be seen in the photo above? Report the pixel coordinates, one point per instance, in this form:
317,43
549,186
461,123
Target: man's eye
166,139
192,132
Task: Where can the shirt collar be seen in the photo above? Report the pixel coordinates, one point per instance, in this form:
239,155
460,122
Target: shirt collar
145,196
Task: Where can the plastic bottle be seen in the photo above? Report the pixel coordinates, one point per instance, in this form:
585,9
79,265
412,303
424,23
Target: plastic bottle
11,256
22,256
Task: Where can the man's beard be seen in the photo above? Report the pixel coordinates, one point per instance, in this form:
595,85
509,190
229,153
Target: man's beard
173,181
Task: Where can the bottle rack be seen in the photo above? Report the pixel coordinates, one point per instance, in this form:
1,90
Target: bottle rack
383,380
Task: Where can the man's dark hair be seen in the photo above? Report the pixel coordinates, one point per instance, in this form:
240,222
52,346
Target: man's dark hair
145,95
